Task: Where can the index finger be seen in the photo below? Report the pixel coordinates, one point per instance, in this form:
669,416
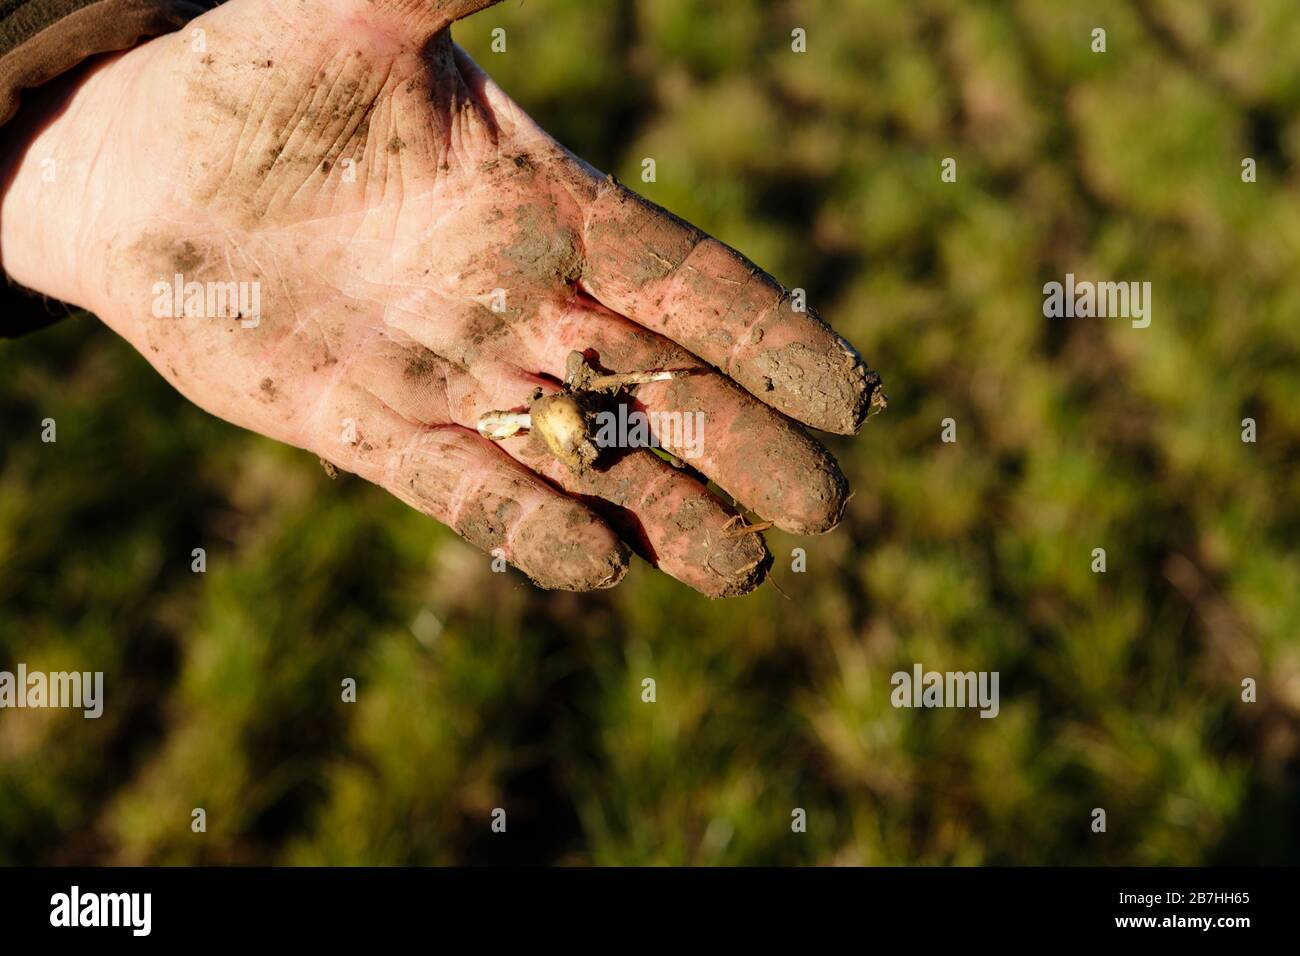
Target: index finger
668,276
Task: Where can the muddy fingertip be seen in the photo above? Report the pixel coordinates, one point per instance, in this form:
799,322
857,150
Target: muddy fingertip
737,563
820,380
564,547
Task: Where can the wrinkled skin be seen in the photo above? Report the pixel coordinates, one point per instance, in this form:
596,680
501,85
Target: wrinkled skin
388,199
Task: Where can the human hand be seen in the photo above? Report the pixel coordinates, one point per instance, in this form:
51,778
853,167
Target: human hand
408,251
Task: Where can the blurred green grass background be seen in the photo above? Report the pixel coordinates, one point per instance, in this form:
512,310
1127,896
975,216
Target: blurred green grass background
1119,690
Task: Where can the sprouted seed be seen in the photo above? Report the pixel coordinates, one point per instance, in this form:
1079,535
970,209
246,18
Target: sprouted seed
563,423
564,419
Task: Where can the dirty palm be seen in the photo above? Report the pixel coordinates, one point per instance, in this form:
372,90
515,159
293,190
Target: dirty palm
427,254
